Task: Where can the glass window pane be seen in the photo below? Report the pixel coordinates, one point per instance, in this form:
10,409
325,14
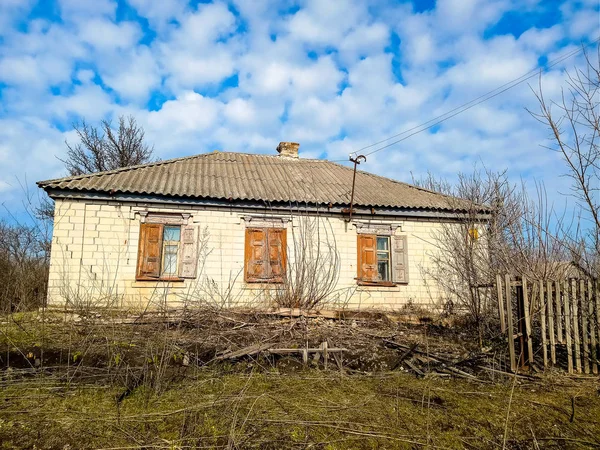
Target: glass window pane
170,260
383,267
171,249
383,256
383,243
172,234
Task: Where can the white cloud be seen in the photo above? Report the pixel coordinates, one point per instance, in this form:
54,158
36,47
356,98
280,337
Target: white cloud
189,71
287,79
159,13
241,112
364,40
463,16
541,40
38,58
322,23
105,35
192,54
134,76
191,112
88,101
77,9
323,74
10,10
41,144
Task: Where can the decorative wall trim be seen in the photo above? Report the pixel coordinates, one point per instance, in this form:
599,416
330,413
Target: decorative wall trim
265,222
164,218
377,228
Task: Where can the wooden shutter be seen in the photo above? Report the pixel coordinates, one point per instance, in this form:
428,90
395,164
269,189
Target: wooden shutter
277,254
149,250
256,255
189,257
367,257
399,259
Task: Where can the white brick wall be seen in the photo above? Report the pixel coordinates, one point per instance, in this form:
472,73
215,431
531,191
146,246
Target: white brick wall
94,258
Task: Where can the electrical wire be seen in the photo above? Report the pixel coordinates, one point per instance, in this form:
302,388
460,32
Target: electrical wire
476,101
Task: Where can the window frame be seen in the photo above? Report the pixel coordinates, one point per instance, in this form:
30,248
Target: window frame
140,263
368,259
389,257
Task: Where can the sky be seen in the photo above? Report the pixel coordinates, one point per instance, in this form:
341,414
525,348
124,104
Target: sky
243,75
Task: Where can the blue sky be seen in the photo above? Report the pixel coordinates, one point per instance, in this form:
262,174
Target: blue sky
244,75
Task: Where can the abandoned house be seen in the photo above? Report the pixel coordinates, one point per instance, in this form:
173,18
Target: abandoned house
243,229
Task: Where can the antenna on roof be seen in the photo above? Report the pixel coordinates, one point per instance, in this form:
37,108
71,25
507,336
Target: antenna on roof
356,162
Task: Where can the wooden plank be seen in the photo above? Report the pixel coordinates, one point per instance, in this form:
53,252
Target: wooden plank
500,303
559,313
567,310
247,351
584,326
574,303
509,323
527,313
550,310
597,295
288,351
593,353
414,368
543,320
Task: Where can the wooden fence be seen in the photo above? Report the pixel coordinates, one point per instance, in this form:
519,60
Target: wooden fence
558,319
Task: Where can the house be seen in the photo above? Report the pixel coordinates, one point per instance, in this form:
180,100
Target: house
240,229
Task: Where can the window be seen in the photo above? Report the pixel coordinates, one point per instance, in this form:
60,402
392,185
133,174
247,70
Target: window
265,259
166,252
382,260
170,250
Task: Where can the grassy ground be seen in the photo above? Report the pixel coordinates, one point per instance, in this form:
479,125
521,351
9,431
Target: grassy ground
310,409
69,385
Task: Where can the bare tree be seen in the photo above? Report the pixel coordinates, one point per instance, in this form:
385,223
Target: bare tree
517,234
574,124
23,267
106,149
313,272
99,150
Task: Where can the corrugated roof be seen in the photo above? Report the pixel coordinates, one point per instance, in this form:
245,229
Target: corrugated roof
239,176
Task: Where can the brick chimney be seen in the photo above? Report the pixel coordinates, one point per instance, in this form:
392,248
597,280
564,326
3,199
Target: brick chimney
288,149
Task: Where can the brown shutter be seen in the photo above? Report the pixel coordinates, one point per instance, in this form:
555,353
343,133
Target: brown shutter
277,254
189,257
399,260
367,257
149,250
256,255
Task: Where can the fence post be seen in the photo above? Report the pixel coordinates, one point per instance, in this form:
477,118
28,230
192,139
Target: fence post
568,326
559,313
511,331
594,352
597,295
527,315
551,322
574,300
500,303
543,320
584,326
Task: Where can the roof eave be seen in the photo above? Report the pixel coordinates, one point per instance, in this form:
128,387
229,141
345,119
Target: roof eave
372,210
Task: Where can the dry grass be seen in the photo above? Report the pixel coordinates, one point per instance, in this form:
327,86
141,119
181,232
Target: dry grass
108,385
312,409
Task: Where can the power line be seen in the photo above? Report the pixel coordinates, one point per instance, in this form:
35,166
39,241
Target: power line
476,101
